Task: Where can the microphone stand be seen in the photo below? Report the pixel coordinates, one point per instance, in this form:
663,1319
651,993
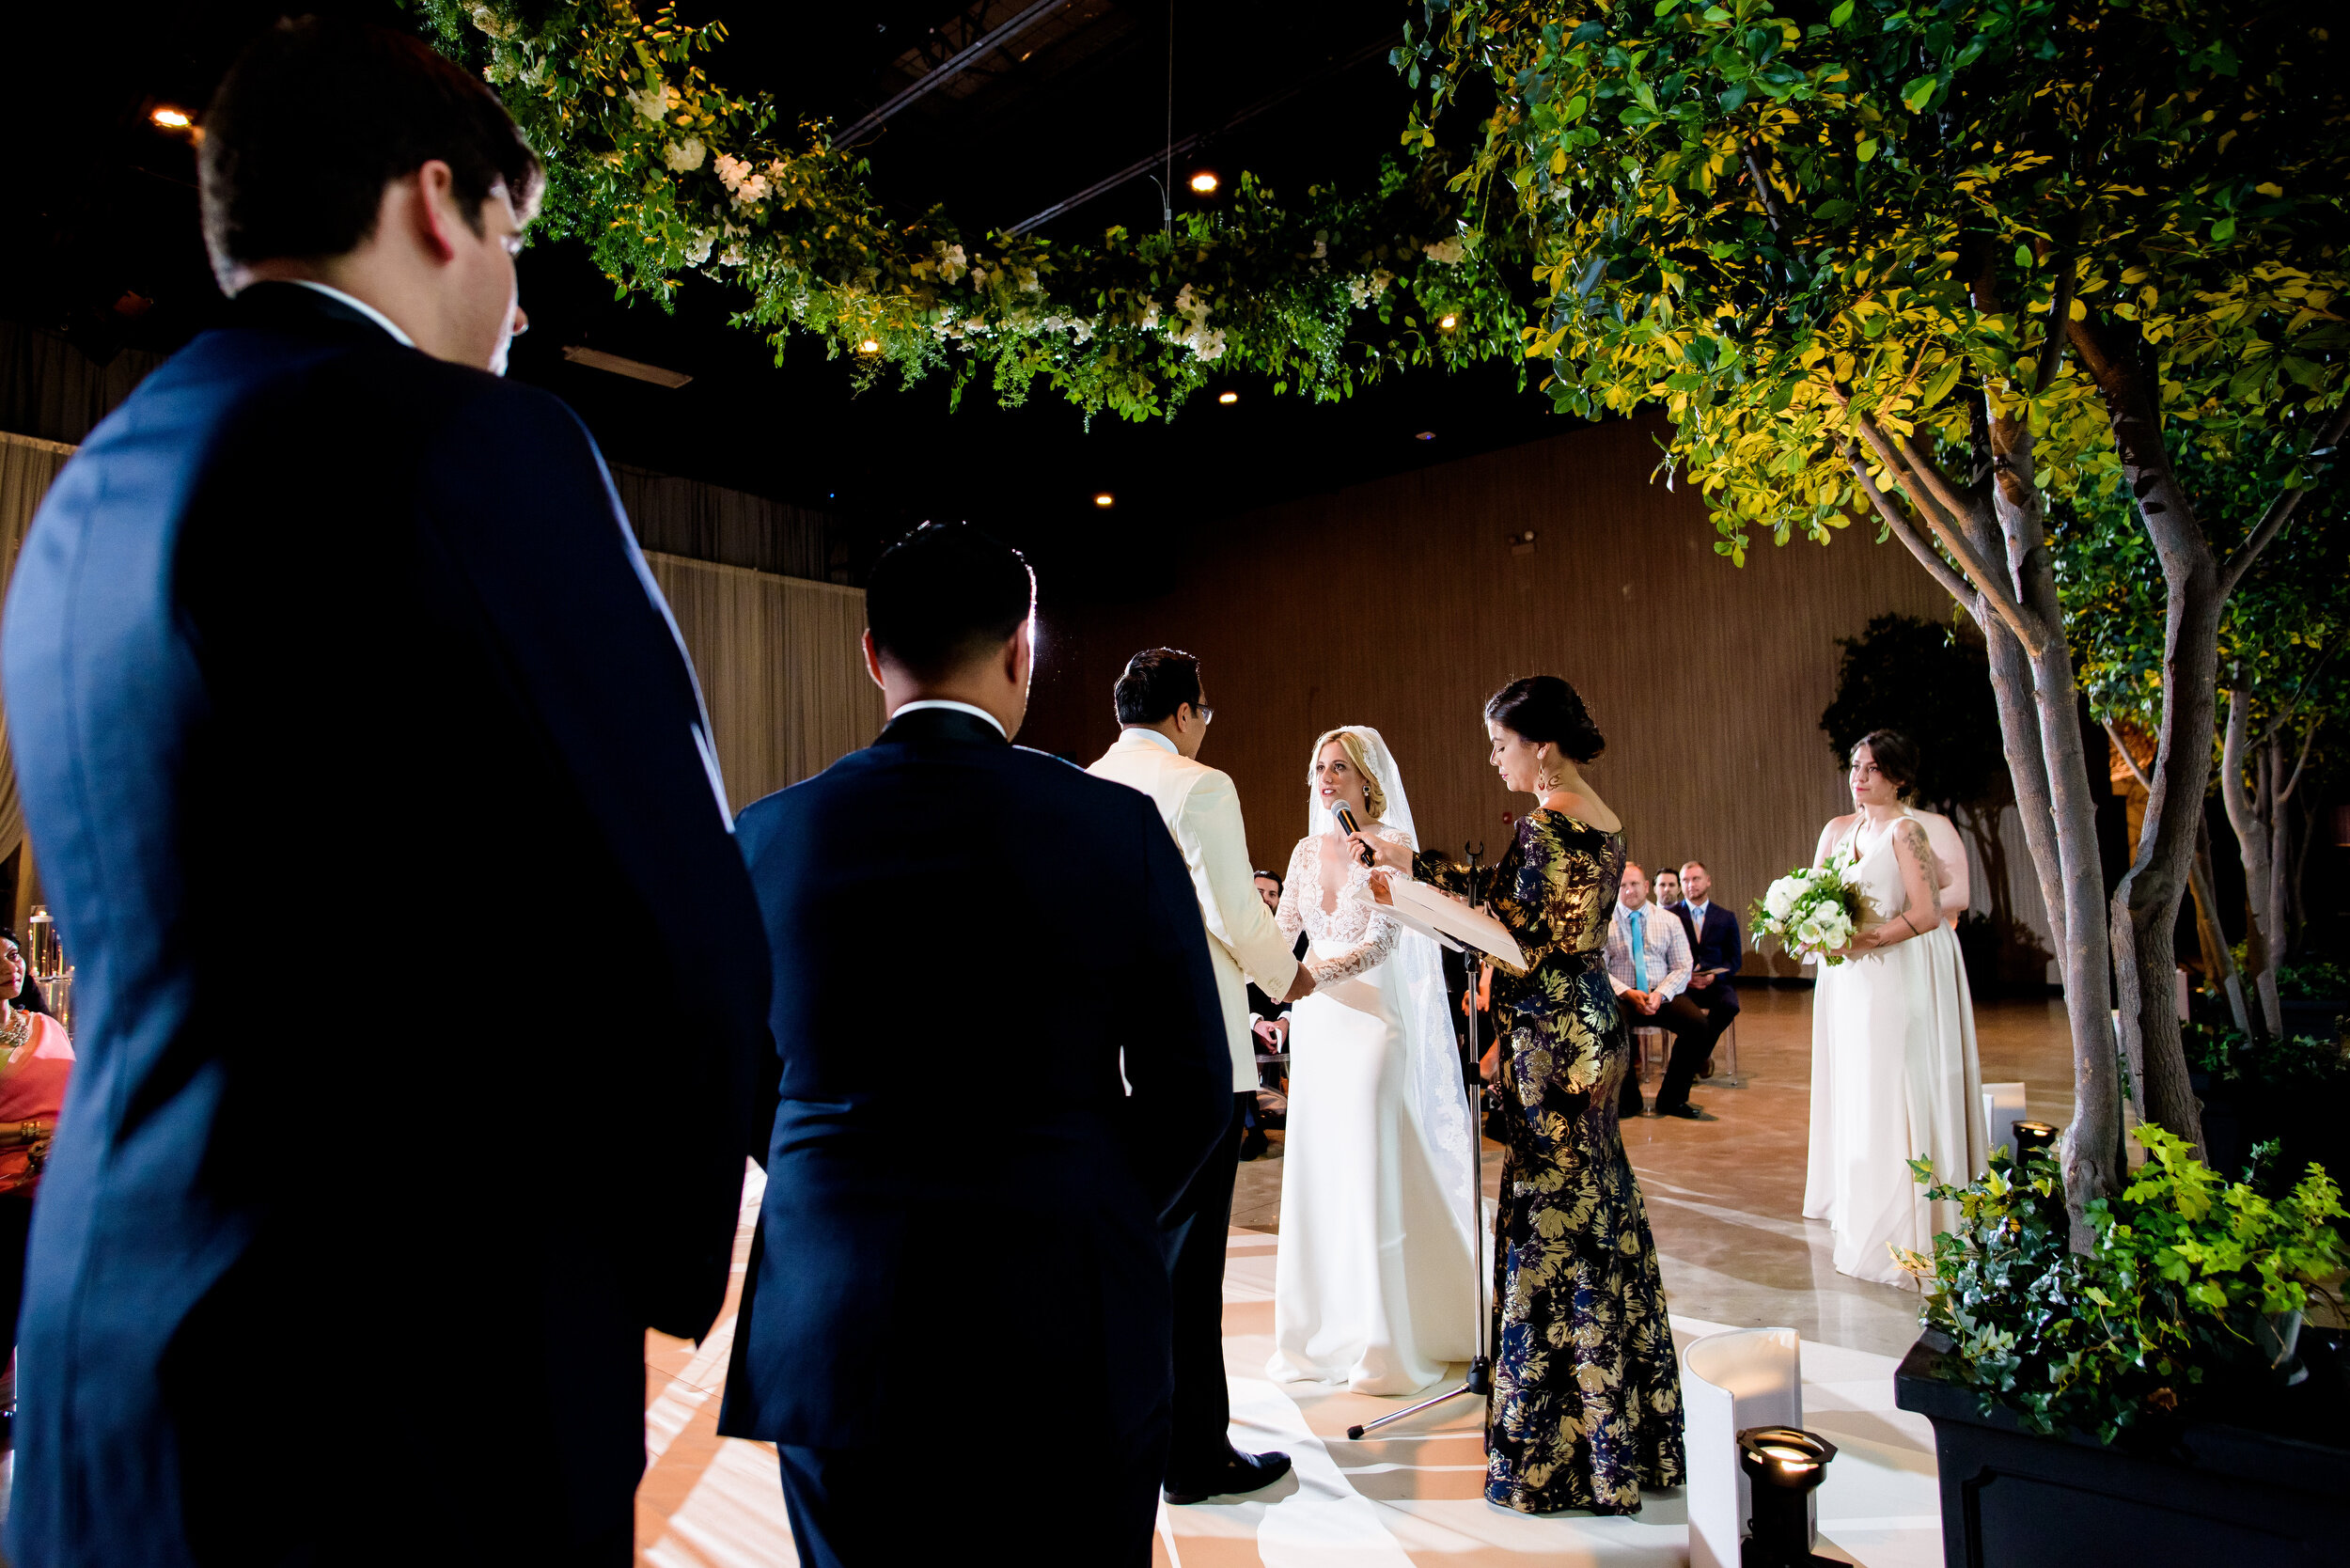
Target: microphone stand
1480,1369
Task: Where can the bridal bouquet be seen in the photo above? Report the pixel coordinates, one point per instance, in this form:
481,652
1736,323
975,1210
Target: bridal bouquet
1812,911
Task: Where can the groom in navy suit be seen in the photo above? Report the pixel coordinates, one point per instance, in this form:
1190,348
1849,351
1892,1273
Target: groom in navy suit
422,986
950,1261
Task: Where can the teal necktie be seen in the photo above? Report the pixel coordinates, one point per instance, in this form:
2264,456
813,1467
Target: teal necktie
1639,952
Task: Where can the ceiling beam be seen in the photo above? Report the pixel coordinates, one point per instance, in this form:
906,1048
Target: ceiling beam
1152,160
954,66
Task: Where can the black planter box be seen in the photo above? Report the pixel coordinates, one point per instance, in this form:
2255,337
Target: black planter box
2270,1486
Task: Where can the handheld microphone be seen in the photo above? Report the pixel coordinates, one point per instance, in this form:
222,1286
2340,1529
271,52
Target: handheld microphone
1347,824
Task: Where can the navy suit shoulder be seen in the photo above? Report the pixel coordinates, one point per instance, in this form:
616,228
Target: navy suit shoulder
340,750
970,940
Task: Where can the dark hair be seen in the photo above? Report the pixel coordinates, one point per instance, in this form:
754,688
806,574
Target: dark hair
1895,755
317,116
29,998
1157,682
1268,876
1540,708
945,596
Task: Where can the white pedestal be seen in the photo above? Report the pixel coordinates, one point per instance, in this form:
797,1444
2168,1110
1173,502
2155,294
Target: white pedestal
1729,1382
2002,1108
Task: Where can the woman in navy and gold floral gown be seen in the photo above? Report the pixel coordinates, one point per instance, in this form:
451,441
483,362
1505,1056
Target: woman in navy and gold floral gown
1586,1407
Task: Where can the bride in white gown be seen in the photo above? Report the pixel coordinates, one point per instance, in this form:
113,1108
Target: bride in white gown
1372,1288
1894,1074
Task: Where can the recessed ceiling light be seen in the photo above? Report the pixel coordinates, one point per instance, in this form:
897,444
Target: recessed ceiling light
636,369
1105,499
171,118
1204,182
1227,396
1425,435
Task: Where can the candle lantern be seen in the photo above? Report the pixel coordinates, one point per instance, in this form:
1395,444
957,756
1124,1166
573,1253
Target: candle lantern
1784,1466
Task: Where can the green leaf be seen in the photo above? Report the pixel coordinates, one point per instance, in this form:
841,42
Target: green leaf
1920,92
1840,15
2224,230
2024,258
1867,149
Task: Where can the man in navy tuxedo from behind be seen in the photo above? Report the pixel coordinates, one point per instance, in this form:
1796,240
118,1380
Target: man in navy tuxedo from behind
949,1259
422,986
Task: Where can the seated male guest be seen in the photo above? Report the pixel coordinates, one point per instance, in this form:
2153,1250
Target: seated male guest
1667,893
933,1227
325,583
1648,965
1719,950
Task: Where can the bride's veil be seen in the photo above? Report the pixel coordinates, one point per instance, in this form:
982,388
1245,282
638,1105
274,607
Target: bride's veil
1438,1101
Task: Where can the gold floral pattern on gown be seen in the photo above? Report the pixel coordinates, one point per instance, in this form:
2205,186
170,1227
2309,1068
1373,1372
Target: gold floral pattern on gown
1586,1407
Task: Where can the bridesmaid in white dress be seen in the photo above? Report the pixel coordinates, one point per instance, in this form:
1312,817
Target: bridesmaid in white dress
1894,1074
1372,1288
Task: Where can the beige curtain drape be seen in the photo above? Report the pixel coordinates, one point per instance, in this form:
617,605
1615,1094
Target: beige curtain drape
26,466
780,669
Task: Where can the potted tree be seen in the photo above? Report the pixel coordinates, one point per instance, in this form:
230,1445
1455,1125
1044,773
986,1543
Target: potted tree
2155,1394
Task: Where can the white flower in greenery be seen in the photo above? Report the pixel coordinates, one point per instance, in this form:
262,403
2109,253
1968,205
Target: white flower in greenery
1150,316
656,103
952,264
733,255
686,156
491,23
1450,252
1322,245
1781,900
699,251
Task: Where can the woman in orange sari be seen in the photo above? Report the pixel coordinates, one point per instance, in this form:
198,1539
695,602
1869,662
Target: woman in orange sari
35,1058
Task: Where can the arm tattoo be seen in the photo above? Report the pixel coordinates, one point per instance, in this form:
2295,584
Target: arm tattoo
1913,838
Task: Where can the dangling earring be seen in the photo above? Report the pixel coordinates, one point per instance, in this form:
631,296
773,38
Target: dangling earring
1544,780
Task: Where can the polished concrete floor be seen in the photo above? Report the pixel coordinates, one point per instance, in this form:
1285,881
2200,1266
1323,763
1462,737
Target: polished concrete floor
1725,1197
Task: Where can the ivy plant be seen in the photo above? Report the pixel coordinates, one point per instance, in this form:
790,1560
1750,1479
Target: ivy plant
2145,1323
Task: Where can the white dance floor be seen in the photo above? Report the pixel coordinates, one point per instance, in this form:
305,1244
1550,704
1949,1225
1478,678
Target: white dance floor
1393,1501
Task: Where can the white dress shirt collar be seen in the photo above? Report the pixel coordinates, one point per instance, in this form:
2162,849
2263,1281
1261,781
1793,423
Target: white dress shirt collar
1136,733
370,312
903,708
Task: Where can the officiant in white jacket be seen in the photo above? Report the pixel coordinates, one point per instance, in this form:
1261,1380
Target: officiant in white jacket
1165,721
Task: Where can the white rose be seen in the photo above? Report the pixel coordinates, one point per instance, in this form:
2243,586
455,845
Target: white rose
686,156
1780,899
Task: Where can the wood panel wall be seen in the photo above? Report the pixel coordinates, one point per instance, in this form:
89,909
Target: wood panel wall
1402,605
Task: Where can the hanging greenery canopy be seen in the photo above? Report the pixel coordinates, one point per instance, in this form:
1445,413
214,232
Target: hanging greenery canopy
662,172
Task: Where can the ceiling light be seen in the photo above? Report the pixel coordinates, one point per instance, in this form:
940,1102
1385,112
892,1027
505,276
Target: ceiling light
1447,322
1204,182
596,359
1227,396
171,118
1425,435
1105,499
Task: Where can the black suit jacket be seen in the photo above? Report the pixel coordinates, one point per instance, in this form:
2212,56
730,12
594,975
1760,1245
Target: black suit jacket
1718,945
420,984
967,936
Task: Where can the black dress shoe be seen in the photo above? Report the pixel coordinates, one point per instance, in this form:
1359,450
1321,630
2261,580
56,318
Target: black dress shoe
1687,1111
1240,1472
1254,1146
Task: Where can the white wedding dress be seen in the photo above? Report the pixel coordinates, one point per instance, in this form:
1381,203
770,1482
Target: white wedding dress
1373,1285
1894,1076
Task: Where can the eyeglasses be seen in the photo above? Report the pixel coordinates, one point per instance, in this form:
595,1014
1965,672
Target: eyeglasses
1207,715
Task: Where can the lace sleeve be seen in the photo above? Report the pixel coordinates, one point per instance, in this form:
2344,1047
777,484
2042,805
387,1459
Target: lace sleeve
1380,936
1290,918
